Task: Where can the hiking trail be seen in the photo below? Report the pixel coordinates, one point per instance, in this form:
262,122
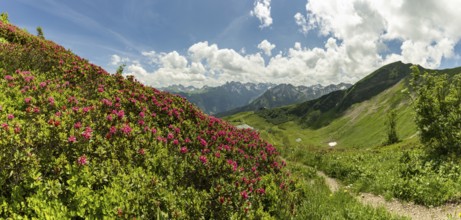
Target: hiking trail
414,211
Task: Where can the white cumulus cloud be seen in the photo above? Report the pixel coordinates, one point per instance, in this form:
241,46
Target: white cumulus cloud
207,64
267,47
116,60
301,21
262,11
428,30
357,37
204,64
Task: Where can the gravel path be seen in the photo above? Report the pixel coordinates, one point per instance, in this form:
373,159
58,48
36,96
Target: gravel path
331,183
411,210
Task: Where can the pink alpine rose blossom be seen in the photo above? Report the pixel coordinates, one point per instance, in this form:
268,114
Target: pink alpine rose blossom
120,114
141,151
72,139
77,125
203,159
113,130
51,100
17,129
244,195
126,129
87,133
82,160
203,142
261,191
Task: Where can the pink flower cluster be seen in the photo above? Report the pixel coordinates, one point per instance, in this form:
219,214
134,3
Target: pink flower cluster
126,129
203,159
82,160
87,133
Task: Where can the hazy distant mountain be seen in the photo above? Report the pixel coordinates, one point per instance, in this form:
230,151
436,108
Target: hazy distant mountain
213,100
287,94
180,88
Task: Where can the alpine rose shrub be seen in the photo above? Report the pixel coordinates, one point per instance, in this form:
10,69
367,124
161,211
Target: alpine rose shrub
77,142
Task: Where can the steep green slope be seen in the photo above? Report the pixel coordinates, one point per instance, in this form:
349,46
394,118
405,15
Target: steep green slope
354,117
322,111
362,125
77,142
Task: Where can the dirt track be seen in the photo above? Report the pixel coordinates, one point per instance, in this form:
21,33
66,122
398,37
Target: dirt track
411,210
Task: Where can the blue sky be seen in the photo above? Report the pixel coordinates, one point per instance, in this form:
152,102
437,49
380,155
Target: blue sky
209,42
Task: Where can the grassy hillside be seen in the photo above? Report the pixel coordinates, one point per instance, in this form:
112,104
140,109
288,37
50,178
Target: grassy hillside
77,142
320,112
354,117
360,159
362,125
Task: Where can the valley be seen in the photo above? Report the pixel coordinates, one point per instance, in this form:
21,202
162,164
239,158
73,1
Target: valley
362,160
78,142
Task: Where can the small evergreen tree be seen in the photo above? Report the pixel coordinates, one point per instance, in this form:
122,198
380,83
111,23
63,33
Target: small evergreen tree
4,18
391,124
40,33
120,69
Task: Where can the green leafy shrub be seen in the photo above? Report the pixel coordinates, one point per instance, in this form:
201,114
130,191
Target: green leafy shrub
77,142
275,116
408,175
438,111
321,203
424,182
4,18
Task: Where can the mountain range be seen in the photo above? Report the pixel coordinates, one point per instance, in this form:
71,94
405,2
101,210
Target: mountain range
234,97
213,100
286,94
